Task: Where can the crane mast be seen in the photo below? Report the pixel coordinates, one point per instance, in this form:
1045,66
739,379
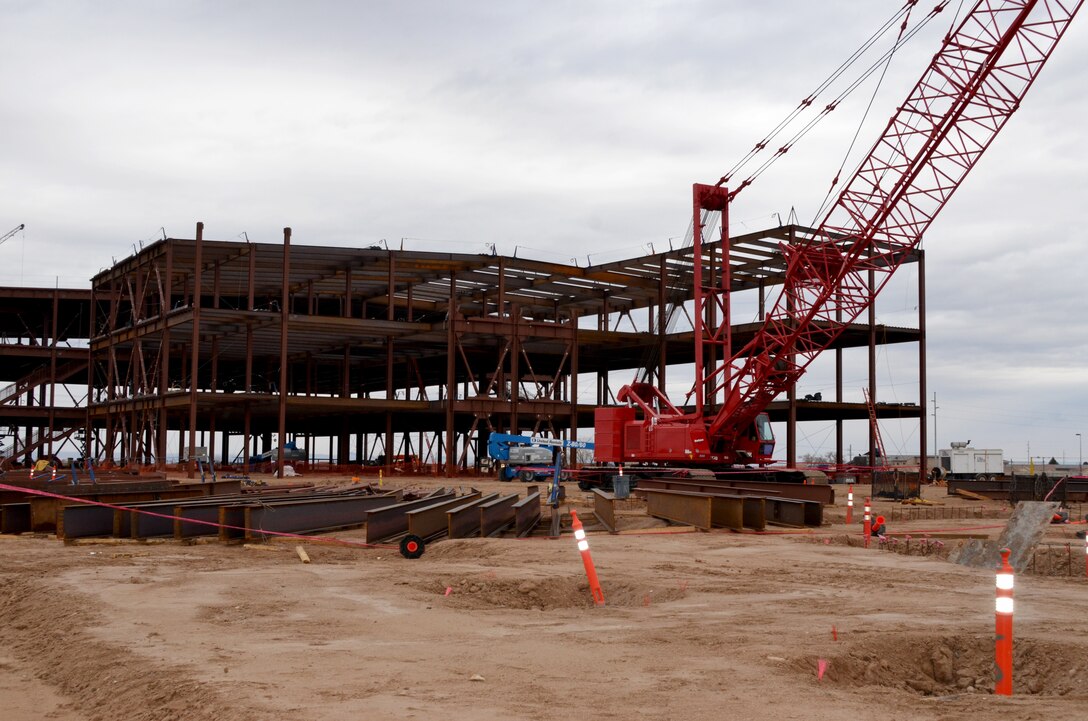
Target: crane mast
972,86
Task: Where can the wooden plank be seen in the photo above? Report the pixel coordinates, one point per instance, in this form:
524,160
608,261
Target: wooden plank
260,547
964,493
302,555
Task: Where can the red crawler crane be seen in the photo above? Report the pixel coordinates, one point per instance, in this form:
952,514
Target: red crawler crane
970,89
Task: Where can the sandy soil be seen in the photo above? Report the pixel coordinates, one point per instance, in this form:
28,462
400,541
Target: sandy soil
697,625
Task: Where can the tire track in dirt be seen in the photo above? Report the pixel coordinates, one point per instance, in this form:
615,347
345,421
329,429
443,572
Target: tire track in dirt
44,630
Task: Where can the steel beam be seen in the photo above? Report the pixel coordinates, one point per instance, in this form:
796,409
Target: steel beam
1025,488
680,507
527,513
604,508
83,521
727,512
719,510
310,515
497,515
785,512
135,524
15,518
464,521
392,519
822,493
431,521
208,514
794,513
755,512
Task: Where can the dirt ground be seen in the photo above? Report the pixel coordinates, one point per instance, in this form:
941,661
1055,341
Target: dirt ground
697,625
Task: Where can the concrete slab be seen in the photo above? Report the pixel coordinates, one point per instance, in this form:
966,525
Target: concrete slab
1023,532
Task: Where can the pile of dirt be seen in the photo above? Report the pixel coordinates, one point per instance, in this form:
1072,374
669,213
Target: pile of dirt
941,666
484,591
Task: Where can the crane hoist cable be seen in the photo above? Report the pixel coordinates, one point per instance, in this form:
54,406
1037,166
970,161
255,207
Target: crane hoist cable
808,100
902,39
710,219
830,196
900,18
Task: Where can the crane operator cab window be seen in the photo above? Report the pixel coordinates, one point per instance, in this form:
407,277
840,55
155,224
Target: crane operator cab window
765,435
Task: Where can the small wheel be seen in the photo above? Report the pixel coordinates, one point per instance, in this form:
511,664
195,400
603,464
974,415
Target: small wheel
526,476
411,546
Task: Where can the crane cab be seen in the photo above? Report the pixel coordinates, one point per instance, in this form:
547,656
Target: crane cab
757,444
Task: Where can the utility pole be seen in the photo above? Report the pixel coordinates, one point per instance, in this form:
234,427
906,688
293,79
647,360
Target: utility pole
1080,455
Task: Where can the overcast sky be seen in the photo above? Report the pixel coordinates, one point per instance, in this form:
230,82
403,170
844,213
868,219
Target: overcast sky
560,129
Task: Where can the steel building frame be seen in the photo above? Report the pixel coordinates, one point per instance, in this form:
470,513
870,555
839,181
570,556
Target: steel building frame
390,352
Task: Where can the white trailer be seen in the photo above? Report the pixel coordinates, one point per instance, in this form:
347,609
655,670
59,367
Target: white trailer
961,462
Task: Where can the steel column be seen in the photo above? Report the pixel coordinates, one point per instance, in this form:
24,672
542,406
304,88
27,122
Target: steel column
872,366
452,317
923,456
285,308
194,363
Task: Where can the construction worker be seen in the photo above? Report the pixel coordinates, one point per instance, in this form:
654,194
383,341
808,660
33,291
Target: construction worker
878,528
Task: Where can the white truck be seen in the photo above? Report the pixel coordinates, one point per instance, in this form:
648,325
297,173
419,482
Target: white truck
961,462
